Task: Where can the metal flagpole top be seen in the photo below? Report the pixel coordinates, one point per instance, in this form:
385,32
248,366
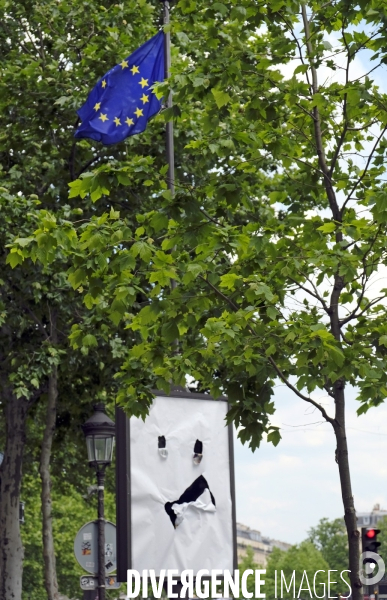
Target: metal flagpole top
170,147
170,151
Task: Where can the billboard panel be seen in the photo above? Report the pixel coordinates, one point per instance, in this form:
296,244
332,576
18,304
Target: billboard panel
175,487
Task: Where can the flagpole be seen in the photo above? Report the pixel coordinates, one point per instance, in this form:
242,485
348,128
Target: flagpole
170,146
170,150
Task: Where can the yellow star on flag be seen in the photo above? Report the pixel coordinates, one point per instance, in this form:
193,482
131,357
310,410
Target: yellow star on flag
143,82
134,70
124,64
104,83
145,98
97,106
117,121
138,112
129,121
103,117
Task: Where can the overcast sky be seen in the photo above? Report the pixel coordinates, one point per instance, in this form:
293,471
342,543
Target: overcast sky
284,491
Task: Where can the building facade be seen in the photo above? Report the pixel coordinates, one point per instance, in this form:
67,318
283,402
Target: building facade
370,519
262,545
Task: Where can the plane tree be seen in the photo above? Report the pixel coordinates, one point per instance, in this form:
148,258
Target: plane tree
50,56
47,51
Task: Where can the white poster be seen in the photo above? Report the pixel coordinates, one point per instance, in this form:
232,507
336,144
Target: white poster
181,507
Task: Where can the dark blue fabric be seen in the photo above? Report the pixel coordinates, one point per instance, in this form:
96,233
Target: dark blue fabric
121,103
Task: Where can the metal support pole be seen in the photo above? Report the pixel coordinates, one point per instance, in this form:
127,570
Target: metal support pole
169,128
170,145
101,534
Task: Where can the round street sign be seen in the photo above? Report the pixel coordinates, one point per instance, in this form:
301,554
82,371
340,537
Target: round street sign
86,547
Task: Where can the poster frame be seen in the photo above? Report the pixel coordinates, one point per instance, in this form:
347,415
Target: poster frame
123,481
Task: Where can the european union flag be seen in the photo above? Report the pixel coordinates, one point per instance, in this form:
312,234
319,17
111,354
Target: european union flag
122,102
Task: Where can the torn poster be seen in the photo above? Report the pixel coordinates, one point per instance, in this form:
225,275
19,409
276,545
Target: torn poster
197,495
181,508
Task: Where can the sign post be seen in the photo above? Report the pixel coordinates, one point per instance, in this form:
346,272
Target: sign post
87,555
90,582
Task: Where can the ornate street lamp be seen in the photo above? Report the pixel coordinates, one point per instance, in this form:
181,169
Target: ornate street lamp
99,431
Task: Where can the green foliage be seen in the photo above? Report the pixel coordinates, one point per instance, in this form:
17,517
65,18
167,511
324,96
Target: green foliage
277,228
329,537
72,507
26,351
301,559
70,511
247,563
50,53
266,235
382,525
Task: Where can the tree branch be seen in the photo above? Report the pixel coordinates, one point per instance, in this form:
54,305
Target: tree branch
290,29
311,115
345,127
299,394
223,296
365,168
317,125
27,309
273,363
72,156
42,47
353,315
363,277
368,72
42,329
303,162
346,340
87,165
34,397
314,294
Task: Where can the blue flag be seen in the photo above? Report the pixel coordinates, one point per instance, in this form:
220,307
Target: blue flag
122,102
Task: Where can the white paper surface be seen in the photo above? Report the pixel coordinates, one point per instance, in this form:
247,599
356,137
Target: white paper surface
203,539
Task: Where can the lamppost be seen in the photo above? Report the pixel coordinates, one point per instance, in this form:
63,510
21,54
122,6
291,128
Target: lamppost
99,431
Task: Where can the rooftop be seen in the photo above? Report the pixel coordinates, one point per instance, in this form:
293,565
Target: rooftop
243,531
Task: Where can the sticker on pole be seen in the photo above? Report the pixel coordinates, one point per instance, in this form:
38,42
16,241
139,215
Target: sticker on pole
90,582
86,548
111,582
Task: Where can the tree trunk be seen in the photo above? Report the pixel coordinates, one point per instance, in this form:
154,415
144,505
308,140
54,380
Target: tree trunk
50,577
11,548
338,387
346,491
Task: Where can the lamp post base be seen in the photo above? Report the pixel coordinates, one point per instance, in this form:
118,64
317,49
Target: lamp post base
90,595
101,534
